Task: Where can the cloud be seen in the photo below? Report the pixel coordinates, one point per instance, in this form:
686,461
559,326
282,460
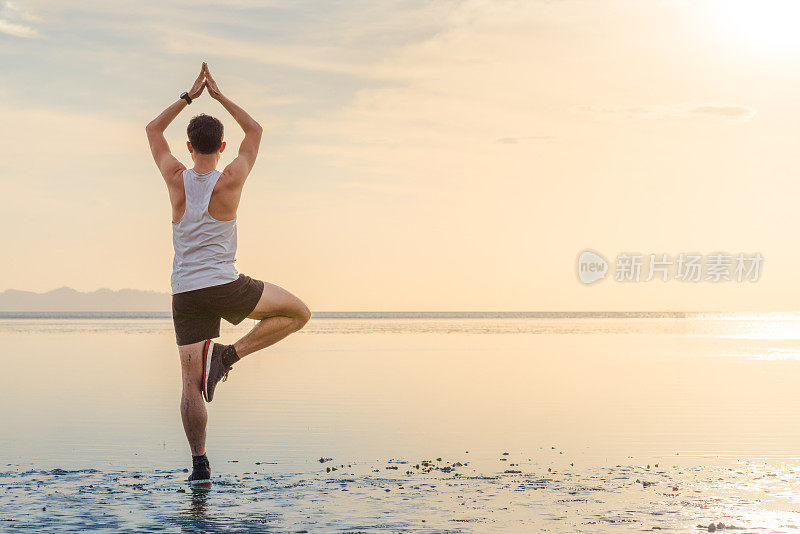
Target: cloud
304,57
441,96
17,30
11,21
724,111
712,111
12,10
345,38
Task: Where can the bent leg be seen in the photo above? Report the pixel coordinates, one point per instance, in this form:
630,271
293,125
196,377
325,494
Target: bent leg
280,314
193,407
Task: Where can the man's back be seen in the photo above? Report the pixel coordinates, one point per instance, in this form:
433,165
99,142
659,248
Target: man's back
205,246
225,197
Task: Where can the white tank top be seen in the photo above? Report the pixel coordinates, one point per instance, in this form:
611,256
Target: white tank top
205,248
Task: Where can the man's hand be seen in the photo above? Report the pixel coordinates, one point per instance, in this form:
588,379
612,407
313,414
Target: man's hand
210,83
199,84
169,166
236,172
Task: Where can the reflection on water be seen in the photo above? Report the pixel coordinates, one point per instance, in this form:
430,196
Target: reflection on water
198,502
92,436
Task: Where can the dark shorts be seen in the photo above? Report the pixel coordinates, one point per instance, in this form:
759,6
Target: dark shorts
196,314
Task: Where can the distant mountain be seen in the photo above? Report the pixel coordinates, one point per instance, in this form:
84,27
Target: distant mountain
68,299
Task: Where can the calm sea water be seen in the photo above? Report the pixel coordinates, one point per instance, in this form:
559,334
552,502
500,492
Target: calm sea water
609,422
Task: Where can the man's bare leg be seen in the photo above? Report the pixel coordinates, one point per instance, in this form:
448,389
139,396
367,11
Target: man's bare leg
280,314
193,407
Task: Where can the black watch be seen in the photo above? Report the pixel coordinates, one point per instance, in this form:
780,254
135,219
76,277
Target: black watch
185,96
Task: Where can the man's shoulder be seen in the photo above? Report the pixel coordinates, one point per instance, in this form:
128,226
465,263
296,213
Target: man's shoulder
176,177
228,181
174,180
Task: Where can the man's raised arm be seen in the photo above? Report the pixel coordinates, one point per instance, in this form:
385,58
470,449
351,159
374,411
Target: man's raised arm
241,166
166,162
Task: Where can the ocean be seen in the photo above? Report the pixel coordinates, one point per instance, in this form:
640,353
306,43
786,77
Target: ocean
409,422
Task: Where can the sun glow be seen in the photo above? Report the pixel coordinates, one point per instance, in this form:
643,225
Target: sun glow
762,26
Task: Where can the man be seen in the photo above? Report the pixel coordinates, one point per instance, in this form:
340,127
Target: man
205,283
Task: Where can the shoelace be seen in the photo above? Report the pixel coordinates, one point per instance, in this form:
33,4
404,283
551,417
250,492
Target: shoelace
228,370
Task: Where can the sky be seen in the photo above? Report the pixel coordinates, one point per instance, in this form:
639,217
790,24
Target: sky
417,155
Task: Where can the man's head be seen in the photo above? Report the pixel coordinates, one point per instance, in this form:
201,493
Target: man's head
205,135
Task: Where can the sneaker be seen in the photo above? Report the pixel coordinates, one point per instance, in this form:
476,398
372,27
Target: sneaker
214,369
201,475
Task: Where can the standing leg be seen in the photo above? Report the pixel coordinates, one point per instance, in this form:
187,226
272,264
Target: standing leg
280,314
193,407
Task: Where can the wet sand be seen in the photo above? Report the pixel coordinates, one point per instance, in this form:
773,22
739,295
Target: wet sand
428,495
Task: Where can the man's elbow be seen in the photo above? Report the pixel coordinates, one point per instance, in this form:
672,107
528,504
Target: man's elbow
152,128
256,128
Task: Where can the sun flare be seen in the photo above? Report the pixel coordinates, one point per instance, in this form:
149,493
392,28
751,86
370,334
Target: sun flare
762,26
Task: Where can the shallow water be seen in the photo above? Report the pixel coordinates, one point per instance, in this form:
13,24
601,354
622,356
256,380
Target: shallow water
92,436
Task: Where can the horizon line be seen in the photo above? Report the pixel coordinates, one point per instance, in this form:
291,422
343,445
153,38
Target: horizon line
412,313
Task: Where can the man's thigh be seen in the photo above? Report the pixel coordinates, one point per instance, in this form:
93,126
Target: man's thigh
276,301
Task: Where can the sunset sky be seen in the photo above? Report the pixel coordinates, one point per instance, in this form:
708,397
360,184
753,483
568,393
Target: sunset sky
437,155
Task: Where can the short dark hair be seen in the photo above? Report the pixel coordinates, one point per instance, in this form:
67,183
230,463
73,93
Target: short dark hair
205,133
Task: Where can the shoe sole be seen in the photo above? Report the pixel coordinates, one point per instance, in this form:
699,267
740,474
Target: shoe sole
208,350
200,483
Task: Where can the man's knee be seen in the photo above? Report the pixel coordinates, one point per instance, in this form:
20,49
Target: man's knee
302,316
191,364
